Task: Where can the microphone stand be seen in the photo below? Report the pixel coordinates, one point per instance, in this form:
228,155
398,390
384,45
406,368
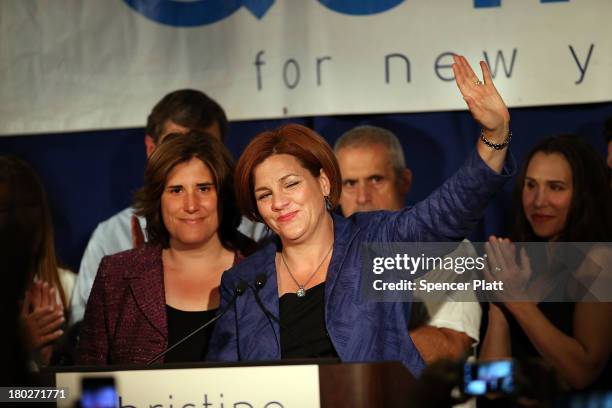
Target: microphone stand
239,291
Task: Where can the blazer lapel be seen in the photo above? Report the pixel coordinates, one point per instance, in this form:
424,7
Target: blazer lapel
147,286
344,232
262,342
338,317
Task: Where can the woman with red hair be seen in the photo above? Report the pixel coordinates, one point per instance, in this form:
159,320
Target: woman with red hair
306,301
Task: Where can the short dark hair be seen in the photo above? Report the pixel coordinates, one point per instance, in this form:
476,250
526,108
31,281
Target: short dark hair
188,108
179,148
590,214
310,149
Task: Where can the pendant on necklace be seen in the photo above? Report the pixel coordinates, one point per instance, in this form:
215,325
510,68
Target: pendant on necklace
301,292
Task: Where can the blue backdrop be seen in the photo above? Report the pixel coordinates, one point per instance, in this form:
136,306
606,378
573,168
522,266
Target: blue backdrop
90,176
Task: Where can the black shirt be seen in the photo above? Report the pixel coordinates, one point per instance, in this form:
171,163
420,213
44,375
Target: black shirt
180,324
302,320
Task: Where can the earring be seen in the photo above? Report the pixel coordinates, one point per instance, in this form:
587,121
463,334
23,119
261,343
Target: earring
328,204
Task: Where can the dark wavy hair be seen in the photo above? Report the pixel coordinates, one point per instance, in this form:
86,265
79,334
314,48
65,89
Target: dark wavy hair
590,214
179,148
188,108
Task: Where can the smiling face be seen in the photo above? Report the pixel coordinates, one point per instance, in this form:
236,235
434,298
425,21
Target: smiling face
189,205
369,181
547,194
290,199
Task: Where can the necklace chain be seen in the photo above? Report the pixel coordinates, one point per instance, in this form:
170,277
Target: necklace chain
301,292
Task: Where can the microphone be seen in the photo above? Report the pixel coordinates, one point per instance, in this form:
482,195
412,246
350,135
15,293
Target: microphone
238,291
260,281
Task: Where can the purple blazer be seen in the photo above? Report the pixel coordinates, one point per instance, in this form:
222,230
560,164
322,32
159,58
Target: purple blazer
359,330
125,320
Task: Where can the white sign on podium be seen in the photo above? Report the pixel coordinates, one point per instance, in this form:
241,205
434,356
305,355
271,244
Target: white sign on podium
222,387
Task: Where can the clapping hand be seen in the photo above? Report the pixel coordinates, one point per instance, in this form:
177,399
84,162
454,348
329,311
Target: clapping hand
42,316
502,265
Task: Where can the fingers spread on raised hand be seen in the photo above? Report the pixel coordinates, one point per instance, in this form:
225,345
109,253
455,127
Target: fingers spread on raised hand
486,74
458,68
459,76
465,83
468,71
468,82
466,75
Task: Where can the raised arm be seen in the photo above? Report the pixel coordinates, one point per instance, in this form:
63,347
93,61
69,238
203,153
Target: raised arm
452,211
449,213
487,108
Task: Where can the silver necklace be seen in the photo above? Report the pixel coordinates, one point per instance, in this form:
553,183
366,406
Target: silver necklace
301,292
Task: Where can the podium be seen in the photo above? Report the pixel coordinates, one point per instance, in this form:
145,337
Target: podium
278,384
